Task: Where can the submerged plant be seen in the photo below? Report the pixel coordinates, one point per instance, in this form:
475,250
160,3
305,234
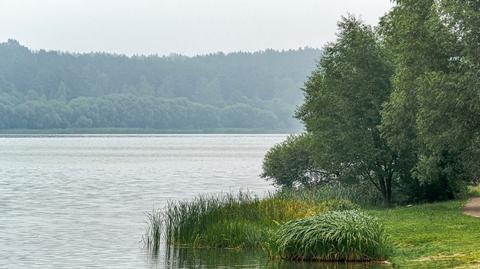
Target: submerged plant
335,236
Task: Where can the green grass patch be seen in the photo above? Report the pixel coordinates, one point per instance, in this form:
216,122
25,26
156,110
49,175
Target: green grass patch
362,195
435,235
334,236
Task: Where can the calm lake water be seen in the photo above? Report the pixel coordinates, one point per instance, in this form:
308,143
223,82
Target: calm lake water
80,201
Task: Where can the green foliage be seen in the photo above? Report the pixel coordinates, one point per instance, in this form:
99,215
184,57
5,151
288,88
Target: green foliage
290,163
409,34
343,99
241,115
334,236
398,107
430,235
40,89
430,119
232,221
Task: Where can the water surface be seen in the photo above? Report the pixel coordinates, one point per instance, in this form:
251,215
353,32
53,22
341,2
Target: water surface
79,201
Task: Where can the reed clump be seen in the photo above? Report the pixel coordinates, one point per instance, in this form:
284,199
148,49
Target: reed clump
153,232
231,221
334,236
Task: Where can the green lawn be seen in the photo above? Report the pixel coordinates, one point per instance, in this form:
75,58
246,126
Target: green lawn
432,235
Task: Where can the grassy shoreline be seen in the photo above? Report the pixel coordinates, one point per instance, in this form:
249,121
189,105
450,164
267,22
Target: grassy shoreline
243,221
436,235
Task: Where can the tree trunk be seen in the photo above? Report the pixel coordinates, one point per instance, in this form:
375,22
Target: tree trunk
387,194
386,199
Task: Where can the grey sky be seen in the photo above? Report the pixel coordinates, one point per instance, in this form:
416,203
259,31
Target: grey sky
178,26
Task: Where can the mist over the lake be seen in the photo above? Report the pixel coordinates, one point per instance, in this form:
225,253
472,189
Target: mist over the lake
266,134
187,27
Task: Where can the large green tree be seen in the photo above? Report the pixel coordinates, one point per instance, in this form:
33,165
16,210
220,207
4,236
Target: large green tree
343,99
412,125
429,119
449,103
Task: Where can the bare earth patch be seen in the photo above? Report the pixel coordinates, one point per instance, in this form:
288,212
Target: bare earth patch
472,208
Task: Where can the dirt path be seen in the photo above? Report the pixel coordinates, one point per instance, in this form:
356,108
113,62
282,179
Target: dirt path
472,208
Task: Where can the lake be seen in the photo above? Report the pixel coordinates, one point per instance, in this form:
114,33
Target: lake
78,201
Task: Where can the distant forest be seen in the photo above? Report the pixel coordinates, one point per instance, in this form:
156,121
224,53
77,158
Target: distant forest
50,89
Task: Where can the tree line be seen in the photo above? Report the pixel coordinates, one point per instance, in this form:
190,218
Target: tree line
50,89
396,107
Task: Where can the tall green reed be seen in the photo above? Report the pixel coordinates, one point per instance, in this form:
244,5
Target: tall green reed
232,220
335,236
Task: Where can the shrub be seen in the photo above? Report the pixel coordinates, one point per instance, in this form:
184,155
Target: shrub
290,164
335,236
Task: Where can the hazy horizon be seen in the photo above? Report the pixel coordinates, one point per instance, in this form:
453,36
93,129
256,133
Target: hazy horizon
185,27
172,54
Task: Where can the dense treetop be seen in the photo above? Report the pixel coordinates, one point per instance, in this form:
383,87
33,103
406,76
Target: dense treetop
49,89
395,107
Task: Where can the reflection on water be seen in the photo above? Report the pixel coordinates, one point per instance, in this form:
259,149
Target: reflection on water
176,258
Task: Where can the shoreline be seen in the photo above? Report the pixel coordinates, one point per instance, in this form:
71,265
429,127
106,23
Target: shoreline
106,131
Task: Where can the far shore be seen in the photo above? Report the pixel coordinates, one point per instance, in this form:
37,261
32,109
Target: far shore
142,131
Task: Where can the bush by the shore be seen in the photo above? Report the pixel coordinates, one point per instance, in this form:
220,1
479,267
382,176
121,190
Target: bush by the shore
334,236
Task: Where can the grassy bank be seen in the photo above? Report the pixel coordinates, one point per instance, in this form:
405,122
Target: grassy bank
244,221
434,235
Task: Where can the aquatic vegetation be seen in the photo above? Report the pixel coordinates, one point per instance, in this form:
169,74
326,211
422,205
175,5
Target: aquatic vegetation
198,222
231,221
334,236
437,235
201,222
153,232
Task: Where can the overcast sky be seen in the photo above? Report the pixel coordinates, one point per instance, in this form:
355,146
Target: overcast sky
178,26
